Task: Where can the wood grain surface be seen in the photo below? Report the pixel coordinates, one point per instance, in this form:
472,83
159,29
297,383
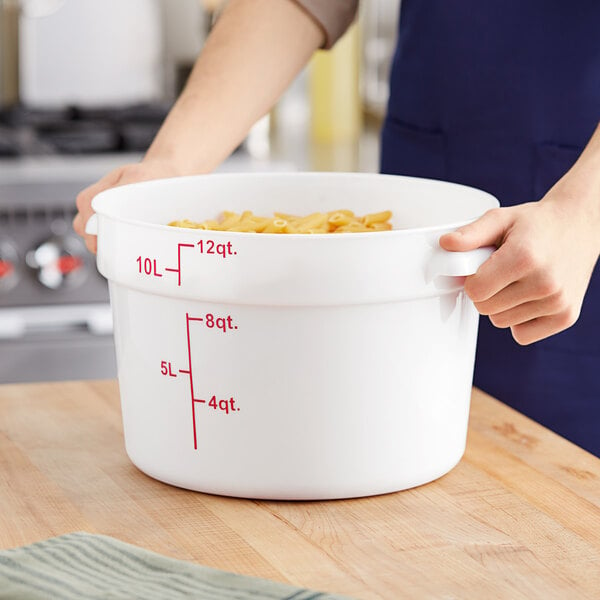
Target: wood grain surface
518,518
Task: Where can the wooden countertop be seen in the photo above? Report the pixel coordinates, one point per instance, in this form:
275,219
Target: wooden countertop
519,517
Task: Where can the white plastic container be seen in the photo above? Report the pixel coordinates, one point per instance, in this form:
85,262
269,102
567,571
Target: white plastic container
291,366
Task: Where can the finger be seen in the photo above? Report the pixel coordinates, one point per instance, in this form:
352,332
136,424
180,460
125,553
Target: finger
84,206
85,197
527,311
77,226
511,296
541,328
497,273
488,230
91,242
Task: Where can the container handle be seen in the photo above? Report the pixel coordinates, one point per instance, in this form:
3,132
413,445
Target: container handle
91,227
457,264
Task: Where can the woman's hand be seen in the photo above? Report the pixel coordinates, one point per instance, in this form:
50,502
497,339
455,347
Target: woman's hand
131,173
536,280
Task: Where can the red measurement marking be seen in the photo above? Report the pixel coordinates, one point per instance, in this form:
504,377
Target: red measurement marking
189,347
224,405
211,247
178,269
148,266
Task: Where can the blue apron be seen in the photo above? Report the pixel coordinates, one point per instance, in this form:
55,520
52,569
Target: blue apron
503,95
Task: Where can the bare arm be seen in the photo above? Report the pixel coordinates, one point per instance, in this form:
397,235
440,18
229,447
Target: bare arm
253,53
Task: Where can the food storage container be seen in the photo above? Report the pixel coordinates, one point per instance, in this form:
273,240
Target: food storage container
298,366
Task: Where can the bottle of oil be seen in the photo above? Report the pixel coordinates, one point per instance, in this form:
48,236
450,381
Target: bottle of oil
334,91
9,53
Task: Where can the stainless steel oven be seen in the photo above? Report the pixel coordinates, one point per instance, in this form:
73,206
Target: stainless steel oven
55,318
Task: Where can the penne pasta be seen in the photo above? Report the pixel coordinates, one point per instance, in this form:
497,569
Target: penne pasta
380,217
338,219
353,227
314,221
276,226
230,220
335,221
381,226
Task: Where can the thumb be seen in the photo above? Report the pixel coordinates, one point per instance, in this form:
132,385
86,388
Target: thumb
489,230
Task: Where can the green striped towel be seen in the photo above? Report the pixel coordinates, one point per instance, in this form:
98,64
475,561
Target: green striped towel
82,566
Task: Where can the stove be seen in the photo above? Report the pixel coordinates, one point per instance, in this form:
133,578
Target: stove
75,130
55,317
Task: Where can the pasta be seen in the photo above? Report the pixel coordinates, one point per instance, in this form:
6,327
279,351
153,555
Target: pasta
335,221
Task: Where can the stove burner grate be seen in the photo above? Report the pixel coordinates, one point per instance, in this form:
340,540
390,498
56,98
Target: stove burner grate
26,131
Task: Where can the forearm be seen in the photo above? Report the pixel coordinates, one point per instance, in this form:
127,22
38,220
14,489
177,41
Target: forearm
579,188
253,53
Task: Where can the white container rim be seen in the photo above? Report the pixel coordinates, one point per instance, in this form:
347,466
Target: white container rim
106,205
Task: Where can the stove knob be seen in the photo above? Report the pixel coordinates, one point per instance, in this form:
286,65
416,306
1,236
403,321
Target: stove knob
59,262
8,266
